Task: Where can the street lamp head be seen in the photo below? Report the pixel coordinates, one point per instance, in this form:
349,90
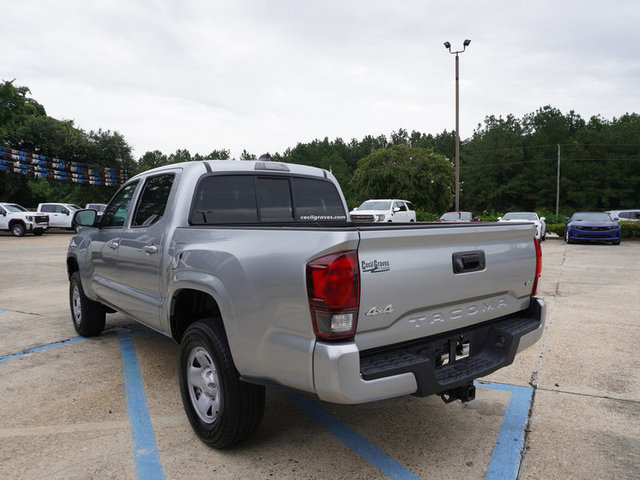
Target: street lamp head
466,43
447,45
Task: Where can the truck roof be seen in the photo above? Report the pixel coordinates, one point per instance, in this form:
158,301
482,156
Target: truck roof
244,166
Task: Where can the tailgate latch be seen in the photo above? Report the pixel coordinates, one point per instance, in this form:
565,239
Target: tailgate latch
464,262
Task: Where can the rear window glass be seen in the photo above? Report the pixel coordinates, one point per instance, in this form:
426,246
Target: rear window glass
317,200
250,199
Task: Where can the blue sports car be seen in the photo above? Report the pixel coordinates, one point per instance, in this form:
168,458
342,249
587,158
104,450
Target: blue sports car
592,227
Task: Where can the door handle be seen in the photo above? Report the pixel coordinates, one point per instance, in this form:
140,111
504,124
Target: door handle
151,249
112,244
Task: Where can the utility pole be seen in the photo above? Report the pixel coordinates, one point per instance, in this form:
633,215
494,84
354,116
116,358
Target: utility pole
447,45
558,184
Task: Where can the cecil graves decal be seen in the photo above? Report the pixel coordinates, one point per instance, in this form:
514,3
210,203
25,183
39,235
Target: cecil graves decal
375,266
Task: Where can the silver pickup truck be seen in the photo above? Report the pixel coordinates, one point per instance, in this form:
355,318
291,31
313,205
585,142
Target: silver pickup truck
256,271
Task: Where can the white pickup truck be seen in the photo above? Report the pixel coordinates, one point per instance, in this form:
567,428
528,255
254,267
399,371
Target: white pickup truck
18,220
387,210
255,270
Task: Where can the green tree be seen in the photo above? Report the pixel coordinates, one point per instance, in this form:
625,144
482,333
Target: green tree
411,173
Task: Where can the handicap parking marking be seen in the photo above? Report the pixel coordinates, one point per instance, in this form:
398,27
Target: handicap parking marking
505,459
39,349
3,311
356,442
507,453
143,439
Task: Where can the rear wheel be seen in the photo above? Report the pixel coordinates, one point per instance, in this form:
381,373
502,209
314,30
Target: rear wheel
222,409
88,316
17,229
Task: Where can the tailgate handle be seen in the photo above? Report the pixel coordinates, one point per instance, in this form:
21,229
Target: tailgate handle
464,262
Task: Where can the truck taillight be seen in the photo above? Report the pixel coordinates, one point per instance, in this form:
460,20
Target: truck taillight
534,290
333,287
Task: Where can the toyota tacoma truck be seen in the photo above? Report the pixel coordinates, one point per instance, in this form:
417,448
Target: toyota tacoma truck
256,270
18,220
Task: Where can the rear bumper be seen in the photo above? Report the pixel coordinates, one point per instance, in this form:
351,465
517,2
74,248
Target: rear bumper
343,374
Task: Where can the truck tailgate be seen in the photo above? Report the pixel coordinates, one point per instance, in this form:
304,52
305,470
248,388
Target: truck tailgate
418,282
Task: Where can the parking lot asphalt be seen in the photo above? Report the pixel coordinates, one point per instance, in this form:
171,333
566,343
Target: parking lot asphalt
109,407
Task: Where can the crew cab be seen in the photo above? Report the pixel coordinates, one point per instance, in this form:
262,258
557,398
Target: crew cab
389,210
18,220
256,271
60,214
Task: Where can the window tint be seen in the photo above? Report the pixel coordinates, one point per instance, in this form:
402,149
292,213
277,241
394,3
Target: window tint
247,198
116,213
274,199
317,200
48,208
225,199
153,200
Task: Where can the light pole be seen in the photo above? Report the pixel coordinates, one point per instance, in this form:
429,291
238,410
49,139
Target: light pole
447,45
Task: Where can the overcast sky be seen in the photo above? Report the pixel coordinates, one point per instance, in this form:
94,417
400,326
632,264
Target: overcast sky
265,75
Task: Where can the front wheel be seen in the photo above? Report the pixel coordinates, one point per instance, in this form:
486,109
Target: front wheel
222,409
17,229
88,316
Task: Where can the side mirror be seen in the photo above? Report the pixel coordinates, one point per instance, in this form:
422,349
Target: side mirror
617,219
499,218
566,219
85,218
396,209
542,218
355,209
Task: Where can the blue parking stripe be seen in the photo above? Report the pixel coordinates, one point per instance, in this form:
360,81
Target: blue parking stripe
38,349
363,447
507,453
145,450
3,311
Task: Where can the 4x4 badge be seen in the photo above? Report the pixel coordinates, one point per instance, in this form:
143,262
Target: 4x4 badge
373,311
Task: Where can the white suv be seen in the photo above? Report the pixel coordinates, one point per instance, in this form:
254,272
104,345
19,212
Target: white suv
18,220
388,210
60,214
624,215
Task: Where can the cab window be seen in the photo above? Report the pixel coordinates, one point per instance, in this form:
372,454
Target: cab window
153,200
116,213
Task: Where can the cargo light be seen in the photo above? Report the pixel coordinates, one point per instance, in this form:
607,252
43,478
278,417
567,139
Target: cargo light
333,287
534,290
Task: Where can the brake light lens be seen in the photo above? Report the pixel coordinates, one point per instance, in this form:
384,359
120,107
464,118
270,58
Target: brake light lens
333,287
534,290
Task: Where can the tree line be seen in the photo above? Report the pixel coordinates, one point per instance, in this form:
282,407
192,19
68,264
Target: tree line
507,164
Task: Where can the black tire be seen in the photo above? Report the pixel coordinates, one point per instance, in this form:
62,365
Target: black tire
617,242
222,409
38,232
88,316
17,229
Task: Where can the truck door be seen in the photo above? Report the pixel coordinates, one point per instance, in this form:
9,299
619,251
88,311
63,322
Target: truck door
104,245
141,252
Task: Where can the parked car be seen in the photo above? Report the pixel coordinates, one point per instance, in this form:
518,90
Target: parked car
388,210
541,226
60,214
18,220
254,268
98,207
592,227
624,215
458,217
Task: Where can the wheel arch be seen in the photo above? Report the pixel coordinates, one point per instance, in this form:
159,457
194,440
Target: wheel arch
189,305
